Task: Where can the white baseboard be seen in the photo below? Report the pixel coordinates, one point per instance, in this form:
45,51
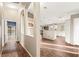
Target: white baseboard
27,51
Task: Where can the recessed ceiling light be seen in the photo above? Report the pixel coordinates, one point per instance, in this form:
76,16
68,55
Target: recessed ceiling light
1,4
59,17
13,6
45,7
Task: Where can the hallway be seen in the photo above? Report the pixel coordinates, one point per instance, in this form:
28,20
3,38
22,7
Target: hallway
14,49
19,22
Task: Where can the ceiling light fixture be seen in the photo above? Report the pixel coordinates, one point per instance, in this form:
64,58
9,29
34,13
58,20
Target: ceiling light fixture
11,6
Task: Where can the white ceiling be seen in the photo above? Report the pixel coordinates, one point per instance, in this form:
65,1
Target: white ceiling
17,5
56,12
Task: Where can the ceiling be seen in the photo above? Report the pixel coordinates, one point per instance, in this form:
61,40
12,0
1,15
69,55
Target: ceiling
57,12
17,5
52,12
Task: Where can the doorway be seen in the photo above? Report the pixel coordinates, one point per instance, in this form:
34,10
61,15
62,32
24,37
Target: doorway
11,30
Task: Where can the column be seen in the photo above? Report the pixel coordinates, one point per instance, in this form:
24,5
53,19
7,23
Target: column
37,36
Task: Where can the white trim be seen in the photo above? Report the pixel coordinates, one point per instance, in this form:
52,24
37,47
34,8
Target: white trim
60,50
60,45
5,21
26,50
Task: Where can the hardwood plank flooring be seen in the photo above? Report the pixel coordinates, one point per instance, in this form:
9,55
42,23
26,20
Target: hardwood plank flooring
58,48
55,53
14,49
58,41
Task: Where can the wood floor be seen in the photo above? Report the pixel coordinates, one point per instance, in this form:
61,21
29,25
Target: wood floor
58,41
14,49
56,53
58,48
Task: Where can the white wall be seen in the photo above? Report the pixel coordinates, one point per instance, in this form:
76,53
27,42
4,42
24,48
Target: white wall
67,30
72,30
27,41
32,43
76,31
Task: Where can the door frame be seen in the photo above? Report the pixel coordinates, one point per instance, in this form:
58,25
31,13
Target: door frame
6,30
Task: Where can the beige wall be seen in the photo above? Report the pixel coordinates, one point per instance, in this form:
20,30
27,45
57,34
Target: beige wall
11,13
